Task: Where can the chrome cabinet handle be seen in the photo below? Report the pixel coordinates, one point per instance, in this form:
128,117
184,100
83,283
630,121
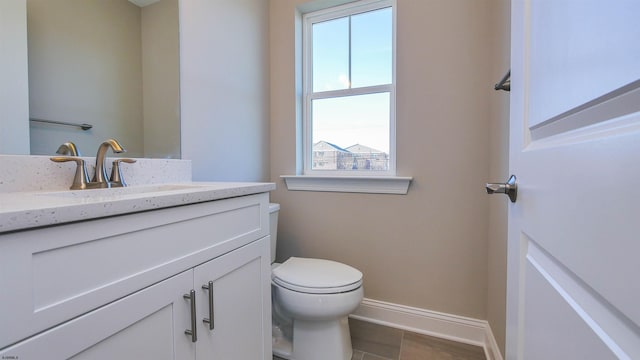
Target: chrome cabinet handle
191,296
510,188
209,320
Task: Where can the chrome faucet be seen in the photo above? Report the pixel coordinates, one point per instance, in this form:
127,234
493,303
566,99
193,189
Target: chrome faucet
100,176
68,148
99,181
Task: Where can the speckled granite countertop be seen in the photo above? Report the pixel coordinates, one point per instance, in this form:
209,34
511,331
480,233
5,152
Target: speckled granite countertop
23,210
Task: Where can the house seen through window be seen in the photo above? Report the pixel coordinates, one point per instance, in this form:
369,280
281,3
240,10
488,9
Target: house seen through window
349,118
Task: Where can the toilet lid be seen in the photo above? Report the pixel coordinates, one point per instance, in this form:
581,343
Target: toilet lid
316,276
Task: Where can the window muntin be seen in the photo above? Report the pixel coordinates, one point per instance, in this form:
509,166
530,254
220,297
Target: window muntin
349,118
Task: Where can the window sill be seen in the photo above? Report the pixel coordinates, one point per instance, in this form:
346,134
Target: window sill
351,184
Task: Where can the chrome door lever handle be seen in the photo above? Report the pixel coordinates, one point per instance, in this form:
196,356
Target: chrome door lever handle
510,188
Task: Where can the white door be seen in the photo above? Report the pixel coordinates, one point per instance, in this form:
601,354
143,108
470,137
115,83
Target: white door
574,232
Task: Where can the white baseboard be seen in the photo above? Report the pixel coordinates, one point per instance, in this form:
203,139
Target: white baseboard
446,326
491,349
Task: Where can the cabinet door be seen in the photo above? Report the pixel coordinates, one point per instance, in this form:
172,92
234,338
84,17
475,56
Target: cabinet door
148,324
241,304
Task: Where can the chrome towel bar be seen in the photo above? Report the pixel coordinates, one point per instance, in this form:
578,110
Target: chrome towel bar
82,126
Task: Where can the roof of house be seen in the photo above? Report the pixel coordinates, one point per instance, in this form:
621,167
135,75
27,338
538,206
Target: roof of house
327,146
357,148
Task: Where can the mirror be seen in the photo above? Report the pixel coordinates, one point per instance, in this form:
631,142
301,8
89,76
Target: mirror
112,64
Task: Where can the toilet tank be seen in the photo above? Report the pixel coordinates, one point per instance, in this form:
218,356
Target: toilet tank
273,225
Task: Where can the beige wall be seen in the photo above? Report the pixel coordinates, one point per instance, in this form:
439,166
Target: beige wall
84,69
161,79
428,249
498,172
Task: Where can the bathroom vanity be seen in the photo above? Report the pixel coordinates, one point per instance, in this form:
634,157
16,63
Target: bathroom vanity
176,271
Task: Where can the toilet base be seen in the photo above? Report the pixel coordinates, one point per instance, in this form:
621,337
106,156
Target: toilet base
281,344
317,340
283,350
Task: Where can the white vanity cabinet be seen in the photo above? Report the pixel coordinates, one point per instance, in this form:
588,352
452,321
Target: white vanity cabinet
115,287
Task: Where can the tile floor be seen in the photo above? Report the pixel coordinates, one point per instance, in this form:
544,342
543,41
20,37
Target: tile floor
377,342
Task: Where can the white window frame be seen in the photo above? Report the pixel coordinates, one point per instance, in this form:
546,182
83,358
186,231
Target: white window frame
373,182
329,14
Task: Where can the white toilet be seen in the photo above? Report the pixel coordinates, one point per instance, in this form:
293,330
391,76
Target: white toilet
311,301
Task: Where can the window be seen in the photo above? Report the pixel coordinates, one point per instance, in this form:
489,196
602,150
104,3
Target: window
348,80
348,117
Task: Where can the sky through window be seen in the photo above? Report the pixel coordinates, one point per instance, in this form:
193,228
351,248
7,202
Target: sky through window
353,52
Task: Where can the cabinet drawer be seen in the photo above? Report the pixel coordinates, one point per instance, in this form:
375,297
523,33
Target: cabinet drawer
53,274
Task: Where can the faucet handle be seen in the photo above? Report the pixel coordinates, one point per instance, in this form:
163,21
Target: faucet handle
116,179
81,178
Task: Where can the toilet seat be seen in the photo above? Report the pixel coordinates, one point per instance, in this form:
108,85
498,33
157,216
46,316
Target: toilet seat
316,276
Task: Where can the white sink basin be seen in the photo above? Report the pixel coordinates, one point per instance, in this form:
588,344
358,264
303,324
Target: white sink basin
124,191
